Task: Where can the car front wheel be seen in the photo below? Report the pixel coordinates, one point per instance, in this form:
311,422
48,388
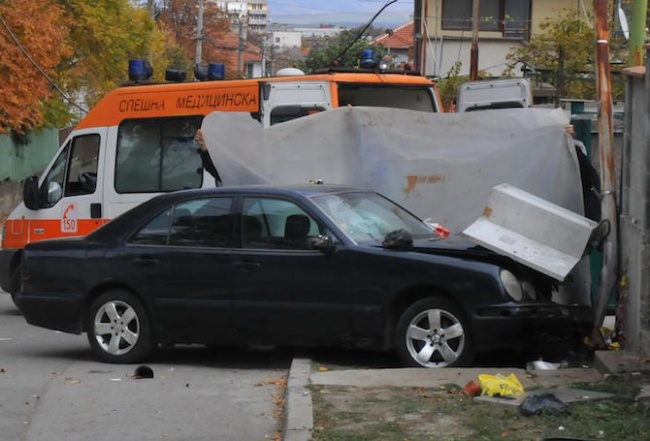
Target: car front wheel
118,328
433,333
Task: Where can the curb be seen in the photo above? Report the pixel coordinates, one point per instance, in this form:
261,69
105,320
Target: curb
298,413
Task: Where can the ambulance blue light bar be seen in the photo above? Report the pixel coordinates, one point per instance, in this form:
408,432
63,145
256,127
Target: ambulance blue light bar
140,70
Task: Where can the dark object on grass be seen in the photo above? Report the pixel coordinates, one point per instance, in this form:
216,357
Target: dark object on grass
545,403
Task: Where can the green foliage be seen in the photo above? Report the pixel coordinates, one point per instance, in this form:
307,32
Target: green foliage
563,54
106,34
448,85
323,55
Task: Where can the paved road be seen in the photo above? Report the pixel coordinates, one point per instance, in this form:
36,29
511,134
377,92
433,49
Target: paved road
52,389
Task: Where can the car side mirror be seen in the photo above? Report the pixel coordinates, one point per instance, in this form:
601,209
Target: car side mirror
322,242
30,193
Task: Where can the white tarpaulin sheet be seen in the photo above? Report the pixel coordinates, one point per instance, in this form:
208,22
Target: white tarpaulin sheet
440,166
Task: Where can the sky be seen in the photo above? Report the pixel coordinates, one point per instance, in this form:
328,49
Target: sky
339,11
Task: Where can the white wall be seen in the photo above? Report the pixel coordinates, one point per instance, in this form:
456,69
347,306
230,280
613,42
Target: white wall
286,39
443,53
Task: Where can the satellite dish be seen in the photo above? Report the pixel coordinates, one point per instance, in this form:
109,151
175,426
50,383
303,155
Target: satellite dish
622,19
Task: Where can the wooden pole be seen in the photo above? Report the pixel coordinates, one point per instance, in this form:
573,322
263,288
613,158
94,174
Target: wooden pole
609,269
473,61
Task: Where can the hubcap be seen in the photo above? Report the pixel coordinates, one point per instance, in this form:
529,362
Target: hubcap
435,338
117,327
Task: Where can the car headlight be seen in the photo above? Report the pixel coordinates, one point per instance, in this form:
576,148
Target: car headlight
512,285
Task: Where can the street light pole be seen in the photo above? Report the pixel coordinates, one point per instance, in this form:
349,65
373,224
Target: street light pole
199,34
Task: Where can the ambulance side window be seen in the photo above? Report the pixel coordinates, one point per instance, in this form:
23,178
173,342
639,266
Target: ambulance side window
52,186
74,172
158,155
82,174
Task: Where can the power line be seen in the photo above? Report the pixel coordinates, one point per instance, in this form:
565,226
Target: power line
38,68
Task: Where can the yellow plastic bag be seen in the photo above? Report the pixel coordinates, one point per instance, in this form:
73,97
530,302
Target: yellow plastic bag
499,385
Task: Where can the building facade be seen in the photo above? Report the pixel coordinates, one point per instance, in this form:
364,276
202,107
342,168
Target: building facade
447,30
246,16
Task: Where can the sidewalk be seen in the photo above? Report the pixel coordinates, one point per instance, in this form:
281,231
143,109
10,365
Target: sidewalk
298,406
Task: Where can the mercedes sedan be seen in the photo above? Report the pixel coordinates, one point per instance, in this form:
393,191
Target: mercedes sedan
295,266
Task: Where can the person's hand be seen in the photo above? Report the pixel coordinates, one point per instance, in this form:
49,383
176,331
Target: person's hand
200,141
569,129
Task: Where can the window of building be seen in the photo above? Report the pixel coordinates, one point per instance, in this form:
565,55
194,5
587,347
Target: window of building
510,17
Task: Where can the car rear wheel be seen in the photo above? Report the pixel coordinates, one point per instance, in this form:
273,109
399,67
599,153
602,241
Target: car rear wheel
433,333
15,284
119,329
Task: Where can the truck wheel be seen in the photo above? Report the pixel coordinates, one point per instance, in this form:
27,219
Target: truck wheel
119,330
433,333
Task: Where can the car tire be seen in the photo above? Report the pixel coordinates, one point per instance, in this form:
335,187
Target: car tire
15,284
433,333
119,329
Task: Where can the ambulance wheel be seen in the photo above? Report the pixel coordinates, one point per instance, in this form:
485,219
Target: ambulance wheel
119,330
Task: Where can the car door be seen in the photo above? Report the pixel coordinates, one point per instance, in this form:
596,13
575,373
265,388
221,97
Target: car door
180,260
284,291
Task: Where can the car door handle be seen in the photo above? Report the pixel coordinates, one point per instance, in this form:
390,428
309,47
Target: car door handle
146,260
247,265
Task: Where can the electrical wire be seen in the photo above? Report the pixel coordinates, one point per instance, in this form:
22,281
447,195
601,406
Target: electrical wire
388,3
38,68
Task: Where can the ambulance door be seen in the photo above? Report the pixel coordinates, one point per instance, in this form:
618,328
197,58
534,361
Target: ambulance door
284,101
150,156
70,193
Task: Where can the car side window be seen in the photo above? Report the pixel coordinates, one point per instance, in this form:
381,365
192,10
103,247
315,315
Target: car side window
276,224
195,223
155,232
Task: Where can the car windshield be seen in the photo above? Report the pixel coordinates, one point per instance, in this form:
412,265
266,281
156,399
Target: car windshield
368,217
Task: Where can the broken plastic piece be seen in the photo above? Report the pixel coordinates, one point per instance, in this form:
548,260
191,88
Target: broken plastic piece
498,385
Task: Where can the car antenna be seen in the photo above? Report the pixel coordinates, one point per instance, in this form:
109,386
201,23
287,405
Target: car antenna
388,3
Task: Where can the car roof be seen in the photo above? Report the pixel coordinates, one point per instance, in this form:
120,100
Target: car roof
123,222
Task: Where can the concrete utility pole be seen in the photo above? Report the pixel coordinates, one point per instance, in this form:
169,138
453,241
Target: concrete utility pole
473,58
240,46
637,33
199,34
609,269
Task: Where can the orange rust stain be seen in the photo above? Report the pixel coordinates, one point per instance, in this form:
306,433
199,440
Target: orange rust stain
487,212
413,181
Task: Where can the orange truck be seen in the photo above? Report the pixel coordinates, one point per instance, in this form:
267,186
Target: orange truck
138,142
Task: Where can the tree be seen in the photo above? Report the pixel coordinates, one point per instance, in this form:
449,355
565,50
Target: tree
106,34
33,39
322,55
563,54
180,17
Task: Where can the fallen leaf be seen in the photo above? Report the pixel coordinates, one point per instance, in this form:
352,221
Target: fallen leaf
70,380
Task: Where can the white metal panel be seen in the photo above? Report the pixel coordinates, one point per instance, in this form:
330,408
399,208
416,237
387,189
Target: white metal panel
532,231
